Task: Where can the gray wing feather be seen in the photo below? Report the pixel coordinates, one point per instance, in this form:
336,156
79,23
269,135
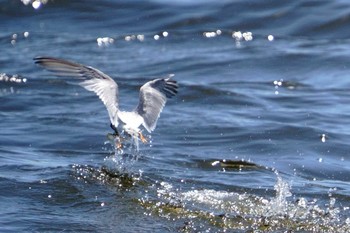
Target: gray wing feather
90,78
153,96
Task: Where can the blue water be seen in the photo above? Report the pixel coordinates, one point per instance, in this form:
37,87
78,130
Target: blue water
257,139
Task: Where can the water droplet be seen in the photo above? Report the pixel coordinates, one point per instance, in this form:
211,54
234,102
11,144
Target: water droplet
36,4
140,37
248,36
237,35
104,41
209,34
215,163
129,38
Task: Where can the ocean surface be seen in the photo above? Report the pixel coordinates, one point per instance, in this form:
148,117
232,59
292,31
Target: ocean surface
257,139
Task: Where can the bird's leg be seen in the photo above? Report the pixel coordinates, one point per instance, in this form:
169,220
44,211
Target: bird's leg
116,133
119,144
143,138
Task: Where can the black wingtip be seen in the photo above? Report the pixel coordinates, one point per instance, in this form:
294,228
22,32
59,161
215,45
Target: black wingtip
36,59
40,60
171,88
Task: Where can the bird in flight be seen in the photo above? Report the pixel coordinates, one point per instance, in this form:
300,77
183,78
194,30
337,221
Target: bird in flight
152,98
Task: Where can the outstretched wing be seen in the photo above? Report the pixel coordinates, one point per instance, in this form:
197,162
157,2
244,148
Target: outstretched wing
90,78
153,96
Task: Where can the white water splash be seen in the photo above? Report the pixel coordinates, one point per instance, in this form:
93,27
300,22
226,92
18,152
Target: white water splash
279,204
245,211
126,153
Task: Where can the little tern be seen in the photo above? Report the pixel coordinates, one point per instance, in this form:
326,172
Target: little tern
152,97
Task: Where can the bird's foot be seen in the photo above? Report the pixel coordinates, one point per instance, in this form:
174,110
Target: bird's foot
142,138
119,142
119,145
114,137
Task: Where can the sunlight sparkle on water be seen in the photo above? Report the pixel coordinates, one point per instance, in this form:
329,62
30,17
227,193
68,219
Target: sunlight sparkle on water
277,85
248,36
156,37
140,37
14,78
212,34
237,35
36,4
26,2
129,37
104,41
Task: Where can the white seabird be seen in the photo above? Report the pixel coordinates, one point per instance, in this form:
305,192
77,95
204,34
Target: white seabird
152,98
